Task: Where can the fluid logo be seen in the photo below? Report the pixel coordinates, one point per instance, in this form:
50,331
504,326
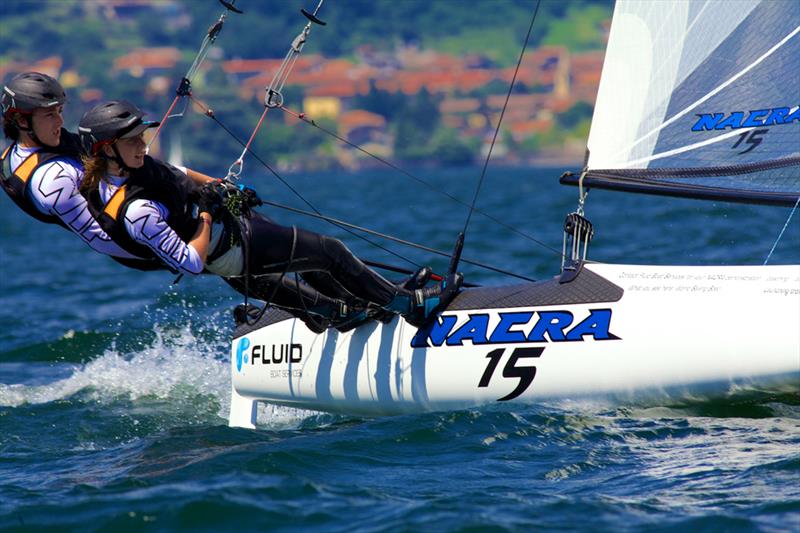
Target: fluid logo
241,348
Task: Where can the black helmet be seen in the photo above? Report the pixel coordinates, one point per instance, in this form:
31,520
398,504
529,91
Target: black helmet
30,90
110,121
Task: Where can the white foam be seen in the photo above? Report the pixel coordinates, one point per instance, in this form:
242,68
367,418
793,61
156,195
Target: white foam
176,364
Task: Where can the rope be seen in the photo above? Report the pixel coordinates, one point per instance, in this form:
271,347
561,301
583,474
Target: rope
272,294
185,86
786,225
209,113
272,93
303,117
339,223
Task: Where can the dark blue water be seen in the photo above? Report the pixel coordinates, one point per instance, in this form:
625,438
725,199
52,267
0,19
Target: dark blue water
114,389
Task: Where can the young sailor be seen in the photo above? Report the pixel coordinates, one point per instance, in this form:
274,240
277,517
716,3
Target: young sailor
41,170
148,208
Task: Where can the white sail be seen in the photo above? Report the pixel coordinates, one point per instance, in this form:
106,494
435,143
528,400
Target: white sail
670,63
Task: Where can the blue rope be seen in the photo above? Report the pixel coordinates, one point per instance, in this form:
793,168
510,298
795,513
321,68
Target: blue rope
782,231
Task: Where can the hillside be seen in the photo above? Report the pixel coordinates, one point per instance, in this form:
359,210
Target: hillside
137,50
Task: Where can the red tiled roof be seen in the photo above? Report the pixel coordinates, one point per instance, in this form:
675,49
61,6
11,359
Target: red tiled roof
146,58
49,65
358,118
90,95
459,105
530,102
529,127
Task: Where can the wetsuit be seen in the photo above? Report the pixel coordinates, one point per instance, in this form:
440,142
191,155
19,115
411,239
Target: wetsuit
330,271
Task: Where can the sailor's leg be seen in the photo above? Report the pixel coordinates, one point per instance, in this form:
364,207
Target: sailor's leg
276,246
272,246
283,291
327,285
316,310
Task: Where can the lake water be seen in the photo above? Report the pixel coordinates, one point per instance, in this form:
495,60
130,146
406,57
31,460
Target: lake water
114,388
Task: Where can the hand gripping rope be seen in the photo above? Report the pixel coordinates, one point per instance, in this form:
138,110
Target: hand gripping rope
273,97
185,86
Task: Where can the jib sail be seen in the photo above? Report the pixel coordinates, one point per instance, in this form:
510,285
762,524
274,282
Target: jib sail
700,99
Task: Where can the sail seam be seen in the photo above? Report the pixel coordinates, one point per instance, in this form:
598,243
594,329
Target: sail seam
719,88
692,172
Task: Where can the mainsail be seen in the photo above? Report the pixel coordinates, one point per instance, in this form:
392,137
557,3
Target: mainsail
700,99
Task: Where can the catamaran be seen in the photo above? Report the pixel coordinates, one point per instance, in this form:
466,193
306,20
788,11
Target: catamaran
697,99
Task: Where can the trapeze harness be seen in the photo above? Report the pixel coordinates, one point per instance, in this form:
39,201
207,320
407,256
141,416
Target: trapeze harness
15,183
159,183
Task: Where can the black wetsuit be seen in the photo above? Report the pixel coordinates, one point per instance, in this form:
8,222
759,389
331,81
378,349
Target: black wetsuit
324,262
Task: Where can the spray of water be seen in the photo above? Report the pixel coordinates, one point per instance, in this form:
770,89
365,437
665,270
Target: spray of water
183,365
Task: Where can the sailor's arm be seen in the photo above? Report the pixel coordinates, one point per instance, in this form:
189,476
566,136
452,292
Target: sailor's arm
54,190
202,236
198,177
145,222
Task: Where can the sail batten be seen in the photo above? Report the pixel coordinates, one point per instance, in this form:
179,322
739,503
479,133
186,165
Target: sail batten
702,87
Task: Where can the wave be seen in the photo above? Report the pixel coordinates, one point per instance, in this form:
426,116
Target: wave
181,367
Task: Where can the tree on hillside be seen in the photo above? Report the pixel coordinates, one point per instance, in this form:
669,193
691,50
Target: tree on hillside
416,123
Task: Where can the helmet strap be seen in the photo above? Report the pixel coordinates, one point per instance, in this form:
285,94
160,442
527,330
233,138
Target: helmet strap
118,159
29,128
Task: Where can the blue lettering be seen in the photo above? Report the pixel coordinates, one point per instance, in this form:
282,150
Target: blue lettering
777,116
553,323
734,121
436,331
755,118
474,330
502,334
707,121
596,325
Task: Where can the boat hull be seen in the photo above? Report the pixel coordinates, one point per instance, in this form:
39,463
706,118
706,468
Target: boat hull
624,332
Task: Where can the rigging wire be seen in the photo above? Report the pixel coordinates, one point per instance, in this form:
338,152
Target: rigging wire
304,117
210,113
780,235
500,120
273,96
345,225
185,85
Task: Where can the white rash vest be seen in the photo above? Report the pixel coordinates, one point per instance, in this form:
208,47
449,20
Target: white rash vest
53,190
146,223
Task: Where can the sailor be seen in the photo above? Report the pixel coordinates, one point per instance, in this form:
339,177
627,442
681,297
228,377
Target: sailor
152,210
40,170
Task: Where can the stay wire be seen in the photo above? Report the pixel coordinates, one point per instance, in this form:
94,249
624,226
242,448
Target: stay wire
392,238
341,224
213,116
500,120
185,86
303,117
780,235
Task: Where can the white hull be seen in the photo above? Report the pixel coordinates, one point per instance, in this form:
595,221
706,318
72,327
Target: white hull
640,331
